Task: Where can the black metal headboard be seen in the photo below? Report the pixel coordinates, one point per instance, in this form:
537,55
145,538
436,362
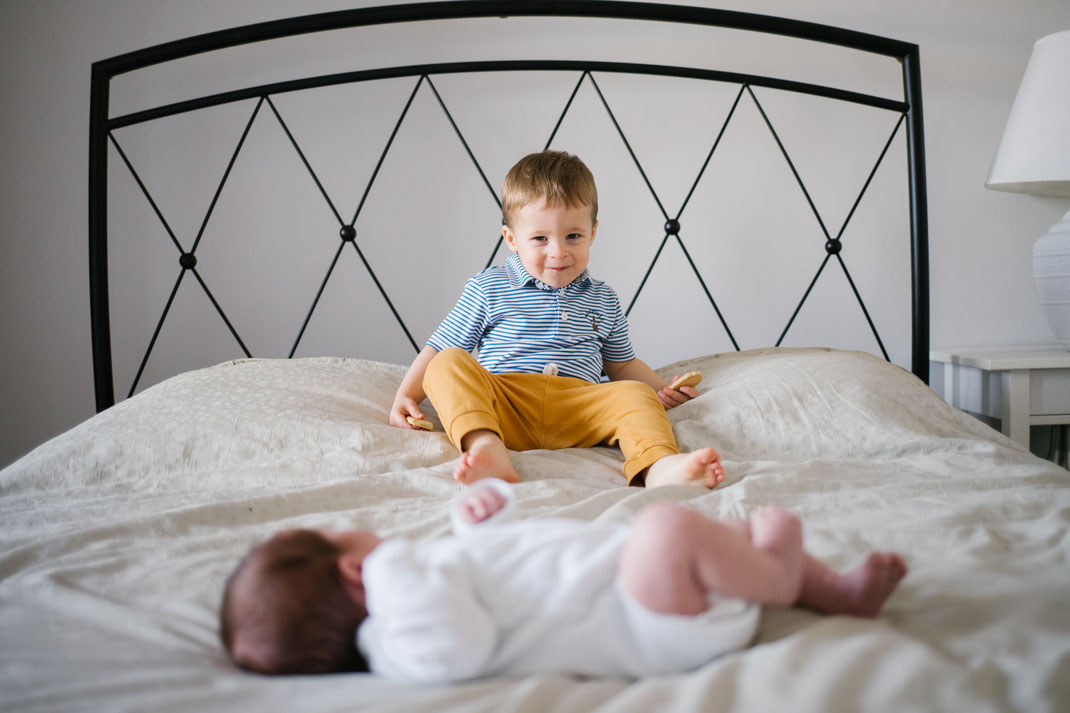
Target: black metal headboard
103,125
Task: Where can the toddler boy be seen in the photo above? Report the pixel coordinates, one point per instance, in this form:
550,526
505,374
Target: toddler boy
545,332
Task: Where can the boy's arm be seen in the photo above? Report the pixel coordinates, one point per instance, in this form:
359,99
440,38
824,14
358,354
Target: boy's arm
411,392
637,370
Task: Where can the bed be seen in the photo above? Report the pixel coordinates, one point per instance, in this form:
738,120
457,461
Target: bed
116,537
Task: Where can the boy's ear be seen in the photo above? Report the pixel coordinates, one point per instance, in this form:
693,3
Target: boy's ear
594,229
510,239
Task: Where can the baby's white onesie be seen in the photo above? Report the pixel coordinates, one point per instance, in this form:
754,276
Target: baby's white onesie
526,597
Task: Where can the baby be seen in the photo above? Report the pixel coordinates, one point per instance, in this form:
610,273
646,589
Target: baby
545,332
666,594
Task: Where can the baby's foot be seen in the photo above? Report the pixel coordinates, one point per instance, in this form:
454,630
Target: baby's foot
702,466
874,581
863,591
484,460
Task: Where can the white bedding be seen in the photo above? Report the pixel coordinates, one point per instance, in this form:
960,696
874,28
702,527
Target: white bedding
115,539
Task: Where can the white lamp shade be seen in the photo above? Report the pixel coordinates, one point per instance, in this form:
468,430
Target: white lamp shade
1034,154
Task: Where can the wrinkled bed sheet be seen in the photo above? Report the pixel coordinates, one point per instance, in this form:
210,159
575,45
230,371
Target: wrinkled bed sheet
116,537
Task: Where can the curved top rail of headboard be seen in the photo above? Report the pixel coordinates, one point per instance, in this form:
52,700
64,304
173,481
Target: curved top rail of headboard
103,71
459,9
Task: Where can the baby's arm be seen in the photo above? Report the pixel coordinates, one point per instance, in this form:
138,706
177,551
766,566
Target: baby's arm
425,622
478,506
637,370
411,392
484,500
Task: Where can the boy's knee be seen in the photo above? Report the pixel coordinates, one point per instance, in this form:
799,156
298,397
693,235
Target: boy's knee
450,355
637,390
446,361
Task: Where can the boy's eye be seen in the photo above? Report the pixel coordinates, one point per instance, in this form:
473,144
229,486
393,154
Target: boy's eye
574,236
539,238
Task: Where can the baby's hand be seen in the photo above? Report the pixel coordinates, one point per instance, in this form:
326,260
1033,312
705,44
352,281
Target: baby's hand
480,504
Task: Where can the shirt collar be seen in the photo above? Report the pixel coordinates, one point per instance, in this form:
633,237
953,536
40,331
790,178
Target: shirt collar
519,277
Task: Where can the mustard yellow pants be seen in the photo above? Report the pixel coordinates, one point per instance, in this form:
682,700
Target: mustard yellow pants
530,411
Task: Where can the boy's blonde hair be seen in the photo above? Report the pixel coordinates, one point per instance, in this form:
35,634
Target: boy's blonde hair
556,176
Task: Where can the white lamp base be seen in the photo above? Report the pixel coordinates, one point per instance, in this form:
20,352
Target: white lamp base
1051,278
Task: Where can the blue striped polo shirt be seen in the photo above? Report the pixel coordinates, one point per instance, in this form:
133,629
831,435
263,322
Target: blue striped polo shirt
520,324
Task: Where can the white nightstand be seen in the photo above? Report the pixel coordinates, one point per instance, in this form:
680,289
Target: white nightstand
1022,387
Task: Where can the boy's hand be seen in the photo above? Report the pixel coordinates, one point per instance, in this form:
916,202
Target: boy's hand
477,506
404,406
671,398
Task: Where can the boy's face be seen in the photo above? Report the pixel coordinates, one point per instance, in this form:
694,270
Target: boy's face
553,241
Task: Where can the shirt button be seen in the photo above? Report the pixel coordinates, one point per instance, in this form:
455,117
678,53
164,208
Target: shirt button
564,316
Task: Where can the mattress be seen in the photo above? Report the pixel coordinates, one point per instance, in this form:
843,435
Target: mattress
116,538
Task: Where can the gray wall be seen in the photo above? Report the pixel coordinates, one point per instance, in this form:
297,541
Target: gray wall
973,54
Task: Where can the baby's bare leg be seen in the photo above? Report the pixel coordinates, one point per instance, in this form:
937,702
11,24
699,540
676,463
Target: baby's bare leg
860,592
675,557
483,455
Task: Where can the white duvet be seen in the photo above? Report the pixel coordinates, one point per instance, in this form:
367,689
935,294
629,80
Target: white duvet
115,539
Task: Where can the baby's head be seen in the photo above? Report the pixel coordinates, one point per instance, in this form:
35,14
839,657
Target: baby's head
294,603
550,211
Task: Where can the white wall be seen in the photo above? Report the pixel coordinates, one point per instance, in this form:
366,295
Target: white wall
973,53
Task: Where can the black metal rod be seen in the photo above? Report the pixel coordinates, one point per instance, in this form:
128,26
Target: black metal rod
386,149
222,314
145,192
568,105
462,9
869,179
327,80
716,143
627,145
642,283
791,164
858,296
99,309
919,216
316,301
156,333
382,291
467,148
301,155
791,320
226,175
706,289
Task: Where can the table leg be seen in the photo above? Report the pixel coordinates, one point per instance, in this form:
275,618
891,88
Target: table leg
1015,405
951,391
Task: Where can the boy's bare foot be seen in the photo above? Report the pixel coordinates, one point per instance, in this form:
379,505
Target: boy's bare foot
702,466
860,592
484,456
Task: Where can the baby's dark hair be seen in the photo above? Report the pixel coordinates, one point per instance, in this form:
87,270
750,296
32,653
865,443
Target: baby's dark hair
286,610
